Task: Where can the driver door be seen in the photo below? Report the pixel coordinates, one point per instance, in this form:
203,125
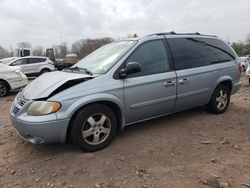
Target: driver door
151,92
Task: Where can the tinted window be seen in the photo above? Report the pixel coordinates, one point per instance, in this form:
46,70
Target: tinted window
218,51
152,57
188,53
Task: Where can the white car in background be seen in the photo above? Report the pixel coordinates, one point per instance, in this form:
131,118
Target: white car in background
11,78
6,60
245,62
33,65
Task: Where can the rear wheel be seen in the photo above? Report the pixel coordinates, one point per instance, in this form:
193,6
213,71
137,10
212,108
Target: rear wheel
249,80
220,100
4,89
93,127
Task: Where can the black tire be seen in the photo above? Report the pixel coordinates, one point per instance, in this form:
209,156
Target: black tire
4,89
44,71
249,80
81,121
213,105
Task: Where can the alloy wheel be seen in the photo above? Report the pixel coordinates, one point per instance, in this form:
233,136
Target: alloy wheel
221,99
96,129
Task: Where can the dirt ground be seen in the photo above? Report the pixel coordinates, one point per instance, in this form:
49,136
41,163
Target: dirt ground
185,150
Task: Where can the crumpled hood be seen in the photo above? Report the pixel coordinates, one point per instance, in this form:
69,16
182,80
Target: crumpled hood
46,84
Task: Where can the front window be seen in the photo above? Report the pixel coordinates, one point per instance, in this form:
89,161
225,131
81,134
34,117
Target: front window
102,59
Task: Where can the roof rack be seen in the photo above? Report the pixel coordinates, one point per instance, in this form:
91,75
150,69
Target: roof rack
174,33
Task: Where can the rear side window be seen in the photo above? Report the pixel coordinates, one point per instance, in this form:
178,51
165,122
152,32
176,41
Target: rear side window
218,51
152,57
188,53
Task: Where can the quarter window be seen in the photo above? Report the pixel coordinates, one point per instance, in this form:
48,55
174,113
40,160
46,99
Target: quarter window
218,51
152,57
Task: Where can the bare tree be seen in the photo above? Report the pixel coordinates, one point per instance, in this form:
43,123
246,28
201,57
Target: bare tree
24,45
4,53
84,47
63,50
38,51
248,38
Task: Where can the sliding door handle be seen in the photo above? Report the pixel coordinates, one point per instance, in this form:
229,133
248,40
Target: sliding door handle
183,81
169,83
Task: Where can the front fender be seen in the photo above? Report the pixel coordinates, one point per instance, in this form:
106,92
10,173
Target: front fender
83,101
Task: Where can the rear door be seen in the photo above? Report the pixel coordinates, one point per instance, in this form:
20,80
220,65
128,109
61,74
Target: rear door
195,77
151,92
36,64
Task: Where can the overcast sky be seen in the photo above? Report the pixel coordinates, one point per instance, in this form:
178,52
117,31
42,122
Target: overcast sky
48,22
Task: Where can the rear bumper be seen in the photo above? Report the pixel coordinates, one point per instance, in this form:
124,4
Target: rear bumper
236,87
48,132
18,83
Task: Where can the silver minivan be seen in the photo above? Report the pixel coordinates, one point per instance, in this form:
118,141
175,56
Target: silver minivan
126,82
33,65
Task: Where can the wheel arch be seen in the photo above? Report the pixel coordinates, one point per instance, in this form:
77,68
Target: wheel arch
114,106
226,80
7,83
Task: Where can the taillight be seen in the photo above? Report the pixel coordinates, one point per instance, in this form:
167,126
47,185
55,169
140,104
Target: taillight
51,62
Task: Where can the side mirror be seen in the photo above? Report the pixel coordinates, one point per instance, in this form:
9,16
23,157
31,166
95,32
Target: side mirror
131,68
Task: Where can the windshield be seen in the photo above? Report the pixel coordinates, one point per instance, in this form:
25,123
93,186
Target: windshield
102,59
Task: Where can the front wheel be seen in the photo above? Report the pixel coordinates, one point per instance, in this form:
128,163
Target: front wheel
4,89
220,100
93,127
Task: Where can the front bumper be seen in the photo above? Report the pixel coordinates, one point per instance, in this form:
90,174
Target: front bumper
37,129
41,133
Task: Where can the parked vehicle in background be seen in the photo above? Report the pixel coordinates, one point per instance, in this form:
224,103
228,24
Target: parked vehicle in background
22,52
33,65
126,82
244,62
6,60
66,62
11,78
61,64
71,58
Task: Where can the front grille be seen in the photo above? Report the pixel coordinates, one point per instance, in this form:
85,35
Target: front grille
15,110
22,102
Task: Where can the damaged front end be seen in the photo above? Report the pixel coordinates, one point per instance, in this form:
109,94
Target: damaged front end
50,84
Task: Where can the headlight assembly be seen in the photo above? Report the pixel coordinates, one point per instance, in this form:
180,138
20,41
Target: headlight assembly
39,108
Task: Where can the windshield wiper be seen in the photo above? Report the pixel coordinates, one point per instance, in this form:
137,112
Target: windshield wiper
79,69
